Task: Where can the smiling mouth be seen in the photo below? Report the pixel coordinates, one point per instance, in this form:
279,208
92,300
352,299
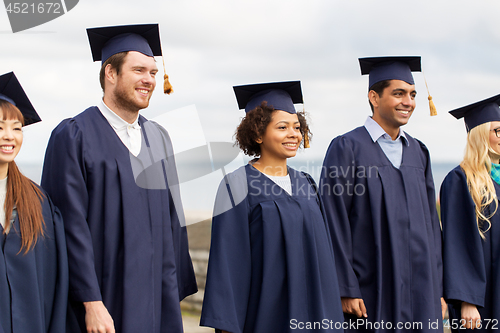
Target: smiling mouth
290,145
7,148
143,91
404,112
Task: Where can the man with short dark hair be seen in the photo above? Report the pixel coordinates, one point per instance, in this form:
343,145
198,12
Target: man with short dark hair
128,252
378,191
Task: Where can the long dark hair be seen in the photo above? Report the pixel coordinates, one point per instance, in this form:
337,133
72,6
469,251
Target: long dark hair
22,193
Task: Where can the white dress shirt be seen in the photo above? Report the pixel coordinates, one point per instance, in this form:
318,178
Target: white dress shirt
393,149
130,134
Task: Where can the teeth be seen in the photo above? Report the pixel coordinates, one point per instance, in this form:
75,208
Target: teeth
6,147
404,112
290,144
142,91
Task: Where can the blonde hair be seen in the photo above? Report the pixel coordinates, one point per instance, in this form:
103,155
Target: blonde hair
477,166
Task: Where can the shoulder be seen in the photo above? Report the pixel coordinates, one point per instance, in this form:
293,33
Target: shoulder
416,143
71,126
457,174
300,174
357,136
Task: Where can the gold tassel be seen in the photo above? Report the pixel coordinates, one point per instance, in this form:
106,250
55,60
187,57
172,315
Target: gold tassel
432,107
306,141
167,87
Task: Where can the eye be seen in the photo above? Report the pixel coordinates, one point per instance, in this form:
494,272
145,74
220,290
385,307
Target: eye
282,127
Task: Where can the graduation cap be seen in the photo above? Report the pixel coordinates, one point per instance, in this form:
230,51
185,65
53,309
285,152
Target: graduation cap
479,113
278,95
143,38
393,68
12,92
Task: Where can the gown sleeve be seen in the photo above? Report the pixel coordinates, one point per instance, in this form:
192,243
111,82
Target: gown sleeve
186,280
436,225
338,204
63,178
60,300
464,269
229,267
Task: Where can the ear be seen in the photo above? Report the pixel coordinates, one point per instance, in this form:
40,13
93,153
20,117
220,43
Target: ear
373,97
259,140
110,74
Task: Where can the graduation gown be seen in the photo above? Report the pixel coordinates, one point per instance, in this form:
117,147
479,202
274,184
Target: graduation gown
471,264
271,265
125,244
34,286
385,231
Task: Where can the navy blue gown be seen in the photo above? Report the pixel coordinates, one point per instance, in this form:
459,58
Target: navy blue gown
271,265
34,286
385,231
126,246
471,264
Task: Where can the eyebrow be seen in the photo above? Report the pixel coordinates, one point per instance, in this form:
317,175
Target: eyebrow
15,122
404,90
287,122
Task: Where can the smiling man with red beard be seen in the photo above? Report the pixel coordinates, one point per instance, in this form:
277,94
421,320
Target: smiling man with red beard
128,252
382,209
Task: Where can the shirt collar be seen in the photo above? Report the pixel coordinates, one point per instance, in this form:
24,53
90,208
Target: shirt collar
376,131
115,120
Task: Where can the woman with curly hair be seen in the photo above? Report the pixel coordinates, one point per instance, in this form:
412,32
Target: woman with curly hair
471,223
33,261
271,265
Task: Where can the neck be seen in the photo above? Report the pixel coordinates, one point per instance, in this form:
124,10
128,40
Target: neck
271,166
4,168
393,132
128,115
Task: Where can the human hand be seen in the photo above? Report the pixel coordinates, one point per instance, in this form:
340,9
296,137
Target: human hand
470,315
444,306
97,318
354,306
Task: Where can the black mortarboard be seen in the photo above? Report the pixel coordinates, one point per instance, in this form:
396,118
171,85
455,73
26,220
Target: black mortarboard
144,38
279,95
12,91
479,113
389,68
106,41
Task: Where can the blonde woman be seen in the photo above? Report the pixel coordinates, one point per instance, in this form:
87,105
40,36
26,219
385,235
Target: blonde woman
471,223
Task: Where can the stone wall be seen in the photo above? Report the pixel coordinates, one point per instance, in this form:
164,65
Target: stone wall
199,246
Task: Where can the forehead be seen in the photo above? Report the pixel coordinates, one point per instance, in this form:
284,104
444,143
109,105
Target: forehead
399,84
495,124
279,115
137,59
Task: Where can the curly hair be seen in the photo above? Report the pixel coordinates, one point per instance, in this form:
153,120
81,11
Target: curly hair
254,125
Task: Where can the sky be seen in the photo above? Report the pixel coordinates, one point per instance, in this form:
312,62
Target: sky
210,46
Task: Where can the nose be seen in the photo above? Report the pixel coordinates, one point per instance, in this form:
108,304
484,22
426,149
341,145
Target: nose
8,134
408,100
148,79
